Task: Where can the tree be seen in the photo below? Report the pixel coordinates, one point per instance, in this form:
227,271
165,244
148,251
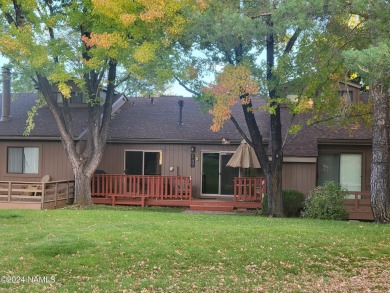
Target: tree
56,43
238,33
373,64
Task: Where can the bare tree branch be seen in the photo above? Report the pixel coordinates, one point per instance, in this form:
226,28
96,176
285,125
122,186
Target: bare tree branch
240,131
198,94
292,41
259,15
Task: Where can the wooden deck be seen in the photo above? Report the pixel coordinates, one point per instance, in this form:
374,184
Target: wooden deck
172,191
36,195
176,191
358,206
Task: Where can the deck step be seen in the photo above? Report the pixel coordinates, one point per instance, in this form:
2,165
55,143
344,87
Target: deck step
356,215
98,200
216,208
129,201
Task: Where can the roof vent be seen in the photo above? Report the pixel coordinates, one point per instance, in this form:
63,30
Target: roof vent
6,100
181,104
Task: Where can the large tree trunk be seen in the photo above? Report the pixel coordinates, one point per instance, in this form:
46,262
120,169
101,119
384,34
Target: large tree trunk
84,161
82,188
274,190
380,186
274,173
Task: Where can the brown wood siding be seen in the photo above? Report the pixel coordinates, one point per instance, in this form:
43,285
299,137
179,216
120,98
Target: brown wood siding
177,156
299,176
52,161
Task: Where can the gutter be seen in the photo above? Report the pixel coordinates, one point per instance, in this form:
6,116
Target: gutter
170,141
174,141
30,138
348,142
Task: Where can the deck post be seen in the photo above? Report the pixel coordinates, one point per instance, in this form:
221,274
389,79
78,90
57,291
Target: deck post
190,188
235,187
9,191
55,194
355,195
43,195
67,192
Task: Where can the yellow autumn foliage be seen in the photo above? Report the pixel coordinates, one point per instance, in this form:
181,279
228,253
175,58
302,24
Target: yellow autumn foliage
177,26
304,104
65,89
354,20
105,40
93,63
158,9
111,8
128,18
353,75
145,52
9,45
231,84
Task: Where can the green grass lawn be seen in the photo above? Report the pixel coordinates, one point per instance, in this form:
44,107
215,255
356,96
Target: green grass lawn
166,250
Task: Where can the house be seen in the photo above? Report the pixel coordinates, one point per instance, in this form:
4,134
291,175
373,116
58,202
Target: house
171,136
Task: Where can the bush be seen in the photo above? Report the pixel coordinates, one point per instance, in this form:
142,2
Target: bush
293,202
326,202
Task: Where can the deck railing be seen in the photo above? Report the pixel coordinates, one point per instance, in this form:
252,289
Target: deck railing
145,186
48,194
358,205
249,188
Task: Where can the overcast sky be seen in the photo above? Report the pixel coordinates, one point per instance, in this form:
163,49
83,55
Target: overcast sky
176,89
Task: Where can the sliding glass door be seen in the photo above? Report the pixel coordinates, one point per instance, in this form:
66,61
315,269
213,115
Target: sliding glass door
217,179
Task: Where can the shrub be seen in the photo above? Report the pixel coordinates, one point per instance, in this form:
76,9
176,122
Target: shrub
293,202
326,202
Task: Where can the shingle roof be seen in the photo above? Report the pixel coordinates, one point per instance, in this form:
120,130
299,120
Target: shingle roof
156,120
45,124
140,118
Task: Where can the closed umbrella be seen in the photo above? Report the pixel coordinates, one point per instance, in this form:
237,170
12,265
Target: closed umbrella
244,157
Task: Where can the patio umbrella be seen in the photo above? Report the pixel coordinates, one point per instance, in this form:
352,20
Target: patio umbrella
244,157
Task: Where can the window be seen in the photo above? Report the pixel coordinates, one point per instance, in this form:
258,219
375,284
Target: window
143,162
75,98
23,160
345,169
347,95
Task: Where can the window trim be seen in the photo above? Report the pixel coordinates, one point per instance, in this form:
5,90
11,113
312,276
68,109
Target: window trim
10,176
23,146
58,98
339,153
